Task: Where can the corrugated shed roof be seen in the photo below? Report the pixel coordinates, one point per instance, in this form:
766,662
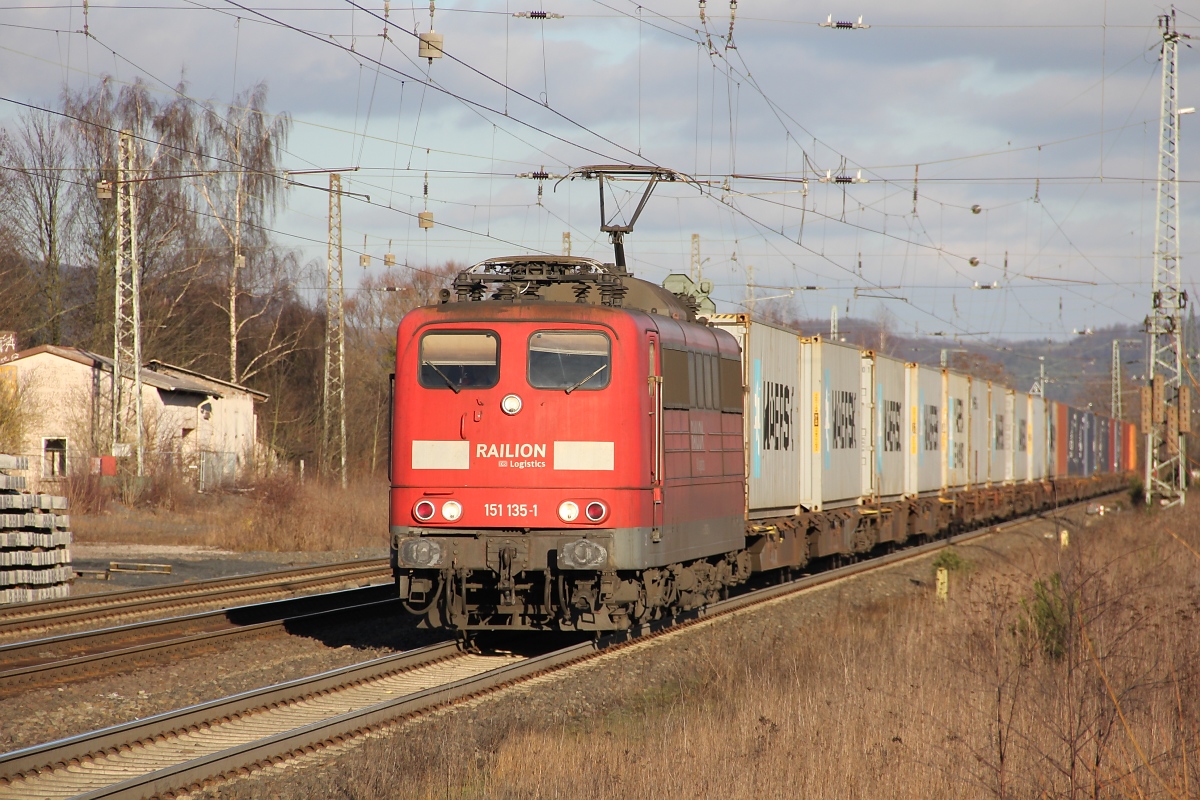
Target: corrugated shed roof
166,382
217,384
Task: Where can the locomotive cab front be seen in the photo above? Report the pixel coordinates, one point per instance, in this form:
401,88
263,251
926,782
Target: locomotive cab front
512,460
534,484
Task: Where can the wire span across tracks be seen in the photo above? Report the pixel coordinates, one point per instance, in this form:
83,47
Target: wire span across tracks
206,743
23,619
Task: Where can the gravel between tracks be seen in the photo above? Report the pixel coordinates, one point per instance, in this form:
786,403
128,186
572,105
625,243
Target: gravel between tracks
190,563
614,683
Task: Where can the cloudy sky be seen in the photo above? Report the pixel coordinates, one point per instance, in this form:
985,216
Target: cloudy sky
1044,115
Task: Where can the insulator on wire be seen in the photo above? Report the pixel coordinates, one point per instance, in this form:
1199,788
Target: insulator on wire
537,15
430,45
843,25
425,218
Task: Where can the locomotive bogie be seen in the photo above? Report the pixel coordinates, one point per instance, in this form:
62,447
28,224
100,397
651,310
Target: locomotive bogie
583,600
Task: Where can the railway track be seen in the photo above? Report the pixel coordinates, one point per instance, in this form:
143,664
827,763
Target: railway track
76,656
189,748
23,620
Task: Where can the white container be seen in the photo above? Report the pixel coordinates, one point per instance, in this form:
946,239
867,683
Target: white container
925,429
888,461
956,400
1000,461
979,447
773,417
837,438
1020,437
1039,437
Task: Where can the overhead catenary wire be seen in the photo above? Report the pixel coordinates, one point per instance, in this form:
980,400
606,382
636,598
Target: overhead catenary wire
862,227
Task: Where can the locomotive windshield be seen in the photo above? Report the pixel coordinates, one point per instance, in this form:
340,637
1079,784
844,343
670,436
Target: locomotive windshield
459,360
569,360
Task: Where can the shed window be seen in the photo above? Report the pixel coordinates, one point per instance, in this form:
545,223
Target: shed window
569,360
459,360
54,458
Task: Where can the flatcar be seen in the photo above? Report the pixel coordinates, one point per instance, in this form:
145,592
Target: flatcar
573,448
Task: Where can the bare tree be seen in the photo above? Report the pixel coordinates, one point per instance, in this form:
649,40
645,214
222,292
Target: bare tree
241,149
40,165
373,316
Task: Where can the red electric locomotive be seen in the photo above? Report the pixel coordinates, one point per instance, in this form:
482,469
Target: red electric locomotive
567,451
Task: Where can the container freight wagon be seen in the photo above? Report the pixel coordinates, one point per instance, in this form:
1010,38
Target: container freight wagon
1019,471
1060,430
773,419
1102,446
1039,438
1131,448
836,440
979,427
889,457
1080,440
956,398
1000,458
1116,444
925,436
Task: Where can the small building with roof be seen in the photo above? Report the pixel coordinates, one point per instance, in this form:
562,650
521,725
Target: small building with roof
203,427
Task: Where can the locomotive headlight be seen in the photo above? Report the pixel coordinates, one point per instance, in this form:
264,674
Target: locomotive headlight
511,404
595,511
423,510
582,554
451,510
420,553
568,511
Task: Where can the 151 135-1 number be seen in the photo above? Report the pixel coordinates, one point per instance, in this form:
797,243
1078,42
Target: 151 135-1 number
509,510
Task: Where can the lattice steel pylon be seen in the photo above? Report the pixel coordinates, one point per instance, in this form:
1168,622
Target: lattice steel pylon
333,427
1116,406
1165,464
127,313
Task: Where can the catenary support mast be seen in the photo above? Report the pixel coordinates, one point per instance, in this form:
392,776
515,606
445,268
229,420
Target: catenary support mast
127,313
333,427
1164,457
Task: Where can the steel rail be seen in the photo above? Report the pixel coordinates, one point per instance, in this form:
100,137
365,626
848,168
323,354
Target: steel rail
76,656
26,617
94,749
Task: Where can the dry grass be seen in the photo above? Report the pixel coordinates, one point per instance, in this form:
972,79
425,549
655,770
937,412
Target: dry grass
1072,675
275,514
